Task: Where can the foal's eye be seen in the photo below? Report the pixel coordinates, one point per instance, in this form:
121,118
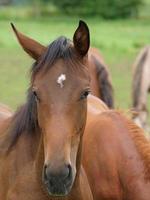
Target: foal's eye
36,96
84,94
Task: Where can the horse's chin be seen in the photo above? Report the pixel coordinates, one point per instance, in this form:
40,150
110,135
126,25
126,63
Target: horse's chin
59,190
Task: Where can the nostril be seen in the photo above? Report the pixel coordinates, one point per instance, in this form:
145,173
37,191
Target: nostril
45,166
69,170
44,172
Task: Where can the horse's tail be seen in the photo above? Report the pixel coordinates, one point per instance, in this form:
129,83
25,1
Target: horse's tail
105,85
137,75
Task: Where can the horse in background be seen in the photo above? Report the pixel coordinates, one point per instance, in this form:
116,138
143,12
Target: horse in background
116,157
141,88
100,84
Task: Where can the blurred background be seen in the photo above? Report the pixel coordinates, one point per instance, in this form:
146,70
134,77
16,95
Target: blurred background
119,29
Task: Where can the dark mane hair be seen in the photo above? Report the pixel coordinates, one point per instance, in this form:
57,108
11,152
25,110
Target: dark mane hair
106,89
25,119
59,48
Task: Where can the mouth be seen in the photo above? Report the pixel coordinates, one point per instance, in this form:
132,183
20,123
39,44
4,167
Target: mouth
57,187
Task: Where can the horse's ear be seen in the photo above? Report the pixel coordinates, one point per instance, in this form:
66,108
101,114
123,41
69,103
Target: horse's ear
33,48
81,39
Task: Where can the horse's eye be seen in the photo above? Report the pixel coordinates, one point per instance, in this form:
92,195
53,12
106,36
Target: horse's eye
36,96
84,94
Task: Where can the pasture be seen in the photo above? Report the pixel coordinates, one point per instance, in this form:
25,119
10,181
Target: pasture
118,41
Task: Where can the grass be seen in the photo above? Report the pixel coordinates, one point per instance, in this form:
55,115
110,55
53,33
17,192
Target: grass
119,42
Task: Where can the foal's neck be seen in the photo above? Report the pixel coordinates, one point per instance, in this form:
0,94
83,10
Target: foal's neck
132,170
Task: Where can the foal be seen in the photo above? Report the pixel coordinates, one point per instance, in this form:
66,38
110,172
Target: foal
40,154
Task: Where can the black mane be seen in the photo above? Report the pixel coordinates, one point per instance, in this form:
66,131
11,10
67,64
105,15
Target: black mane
59,48
106,89
25,119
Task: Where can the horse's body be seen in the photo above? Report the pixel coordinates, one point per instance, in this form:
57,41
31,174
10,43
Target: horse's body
116,157
100,78
141,87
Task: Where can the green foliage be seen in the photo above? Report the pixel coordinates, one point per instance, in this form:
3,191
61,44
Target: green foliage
119,8
103,8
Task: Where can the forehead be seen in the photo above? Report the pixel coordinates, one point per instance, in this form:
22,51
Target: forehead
63,74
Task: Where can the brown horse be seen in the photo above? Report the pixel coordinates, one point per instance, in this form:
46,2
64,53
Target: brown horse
116,157
141,87
40,149
100,78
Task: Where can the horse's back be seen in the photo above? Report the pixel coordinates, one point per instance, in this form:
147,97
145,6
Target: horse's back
96,53
95,107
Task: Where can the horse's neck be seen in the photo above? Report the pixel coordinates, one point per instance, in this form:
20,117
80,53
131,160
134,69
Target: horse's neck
131,169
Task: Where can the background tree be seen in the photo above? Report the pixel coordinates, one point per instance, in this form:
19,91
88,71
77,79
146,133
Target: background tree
104,8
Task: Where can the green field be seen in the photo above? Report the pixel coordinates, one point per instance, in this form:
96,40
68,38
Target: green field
118,41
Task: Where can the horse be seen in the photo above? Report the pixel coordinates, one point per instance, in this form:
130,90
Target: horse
116,157
41,143
141,88
100,84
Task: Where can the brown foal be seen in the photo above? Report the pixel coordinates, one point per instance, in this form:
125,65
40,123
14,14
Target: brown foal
40,152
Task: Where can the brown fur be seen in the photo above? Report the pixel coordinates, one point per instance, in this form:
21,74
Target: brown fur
117,165
142,144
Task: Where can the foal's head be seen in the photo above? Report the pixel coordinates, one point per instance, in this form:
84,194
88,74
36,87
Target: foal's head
59,89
